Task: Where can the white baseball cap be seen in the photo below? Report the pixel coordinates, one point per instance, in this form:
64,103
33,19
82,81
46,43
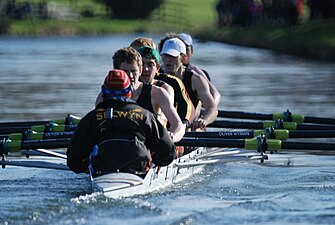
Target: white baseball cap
173,47
186,38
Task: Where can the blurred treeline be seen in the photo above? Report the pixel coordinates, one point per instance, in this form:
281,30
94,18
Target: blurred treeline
245,13
73,10
272,12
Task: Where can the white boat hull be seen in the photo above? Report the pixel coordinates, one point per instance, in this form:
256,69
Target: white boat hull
115,185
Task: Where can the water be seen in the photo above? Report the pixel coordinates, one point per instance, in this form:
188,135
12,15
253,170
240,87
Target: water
48,78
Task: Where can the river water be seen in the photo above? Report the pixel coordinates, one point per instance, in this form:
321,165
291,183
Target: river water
48,78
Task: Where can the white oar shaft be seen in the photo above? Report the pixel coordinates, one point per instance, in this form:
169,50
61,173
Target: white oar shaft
197,163
51,153
222,153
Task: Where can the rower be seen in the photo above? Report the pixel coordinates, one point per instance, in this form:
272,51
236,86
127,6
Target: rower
151,59
143,41
187,39
173,54
190,66
150,74
119,135
150,97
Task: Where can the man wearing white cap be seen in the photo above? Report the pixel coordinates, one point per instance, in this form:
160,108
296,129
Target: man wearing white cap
189,53
187,39
173,54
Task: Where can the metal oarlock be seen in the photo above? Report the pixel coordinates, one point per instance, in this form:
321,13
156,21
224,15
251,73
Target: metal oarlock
3,152
71,120
49,127
262,147
27,135
279,124
270,133
287,116
3,158
3,147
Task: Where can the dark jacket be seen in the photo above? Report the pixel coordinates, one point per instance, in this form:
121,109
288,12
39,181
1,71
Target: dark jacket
123,139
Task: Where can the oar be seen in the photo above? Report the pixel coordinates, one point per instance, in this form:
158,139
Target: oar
279,124
270,134
35,164
50,127
256,144
234,158
32,135
286,116
68,120
51,153
7,146
69,123
43,152
259,143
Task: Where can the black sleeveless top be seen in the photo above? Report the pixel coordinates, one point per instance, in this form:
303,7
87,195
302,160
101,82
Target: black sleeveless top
159,83
144,100
187,80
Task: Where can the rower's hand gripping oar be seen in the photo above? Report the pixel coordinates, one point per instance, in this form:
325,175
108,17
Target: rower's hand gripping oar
285,116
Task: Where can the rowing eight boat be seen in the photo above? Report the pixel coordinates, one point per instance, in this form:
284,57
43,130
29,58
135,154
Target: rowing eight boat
116,185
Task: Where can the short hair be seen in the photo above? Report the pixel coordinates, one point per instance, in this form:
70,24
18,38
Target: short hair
126,55
143,41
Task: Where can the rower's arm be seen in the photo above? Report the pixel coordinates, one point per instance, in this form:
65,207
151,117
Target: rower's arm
81,145
169,90
214,92
200,85
160,144
161,98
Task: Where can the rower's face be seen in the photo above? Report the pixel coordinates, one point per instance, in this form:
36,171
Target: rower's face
133,70
188,54
150,68
171,64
